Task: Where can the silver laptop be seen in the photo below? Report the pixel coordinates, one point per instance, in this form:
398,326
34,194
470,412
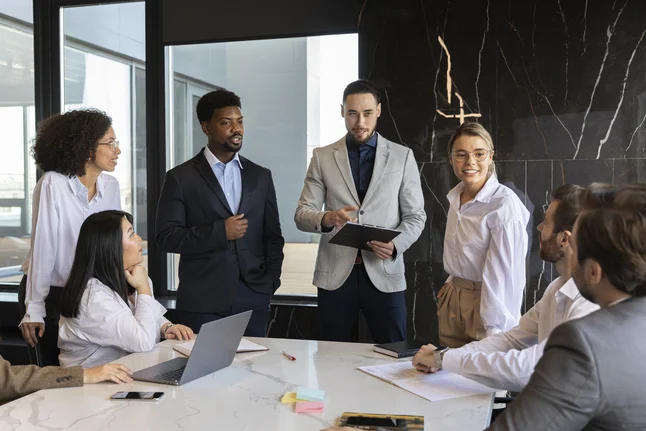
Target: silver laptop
214,349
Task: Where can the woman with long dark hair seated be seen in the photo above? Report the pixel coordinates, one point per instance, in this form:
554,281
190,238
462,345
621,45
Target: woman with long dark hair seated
107,306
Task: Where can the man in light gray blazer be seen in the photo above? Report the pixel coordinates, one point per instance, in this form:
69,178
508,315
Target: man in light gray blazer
363,177
591,374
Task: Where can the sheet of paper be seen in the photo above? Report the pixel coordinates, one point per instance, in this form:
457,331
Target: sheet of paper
289,398
310,394
442,385
309,407
244,346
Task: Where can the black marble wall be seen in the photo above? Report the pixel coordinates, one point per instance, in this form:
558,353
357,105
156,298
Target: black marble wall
560,84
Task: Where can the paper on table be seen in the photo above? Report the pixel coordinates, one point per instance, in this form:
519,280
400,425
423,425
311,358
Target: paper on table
289,398
310,394
442,385
309,407
244,346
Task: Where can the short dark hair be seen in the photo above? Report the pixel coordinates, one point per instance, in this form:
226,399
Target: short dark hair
599,195
569,198
215,100
99,254
65,142
362,86
614,237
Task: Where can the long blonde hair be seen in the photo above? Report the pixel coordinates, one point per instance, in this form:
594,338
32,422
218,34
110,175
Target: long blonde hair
471,128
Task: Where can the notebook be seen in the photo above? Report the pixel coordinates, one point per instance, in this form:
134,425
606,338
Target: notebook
402,349
442,385
245,346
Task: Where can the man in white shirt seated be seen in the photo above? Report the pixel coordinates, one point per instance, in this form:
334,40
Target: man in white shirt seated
506,360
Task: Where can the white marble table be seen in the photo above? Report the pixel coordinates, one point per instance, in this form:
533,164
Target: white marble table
244,396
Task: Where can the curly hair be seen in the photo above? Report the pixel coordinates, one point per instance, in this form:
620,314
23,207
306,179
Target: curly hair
65,142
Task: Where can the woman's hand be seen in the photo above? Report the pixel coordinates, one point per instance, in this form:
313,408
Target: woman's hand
114,372
137,277
178,332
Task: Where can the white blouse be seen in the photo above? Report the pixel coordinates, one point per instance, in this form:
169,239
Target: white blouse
107,328
486,240
60,206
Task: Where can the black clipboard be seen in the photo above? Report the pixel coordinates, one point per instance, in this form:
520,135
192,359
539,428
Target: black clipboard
357,235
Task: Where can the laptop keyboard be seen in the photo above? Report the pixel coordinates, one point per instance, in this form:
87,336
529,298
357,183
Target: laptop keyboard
170,375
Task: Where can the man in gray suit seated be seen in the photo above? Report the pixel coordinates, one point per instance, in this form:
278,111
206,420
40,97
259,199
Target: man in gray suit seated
590,376
366,178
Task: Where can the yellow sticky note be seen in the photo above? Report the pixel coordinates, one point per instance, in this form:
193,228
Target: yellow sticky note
289,398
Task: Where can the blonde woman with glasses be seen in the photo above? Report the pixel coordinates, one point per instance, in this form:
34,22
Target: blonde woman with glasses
73,149
484,247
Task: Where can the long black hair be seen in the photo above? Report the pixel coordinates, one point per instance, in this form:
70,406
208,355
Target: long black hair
99,254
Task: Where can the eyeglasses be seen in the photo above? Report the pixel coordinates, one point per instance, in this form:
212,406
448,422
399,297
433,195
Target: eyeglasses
463,156
113,144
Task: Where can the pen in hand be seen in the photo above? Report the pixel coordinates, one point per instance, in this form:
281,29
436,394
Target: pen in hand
288,356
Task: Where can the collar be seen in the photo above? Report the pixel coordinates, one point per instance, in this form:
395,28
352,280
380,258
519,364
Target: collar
569,289
79,189
484,195
618,301
372,142
212,160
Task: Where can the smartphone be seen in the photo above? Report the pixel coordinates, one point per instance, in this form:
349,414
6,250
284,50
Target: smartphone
145,396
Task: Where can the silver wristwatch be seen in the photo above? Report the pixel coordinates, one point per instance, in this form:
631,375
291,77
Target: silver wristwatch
439,355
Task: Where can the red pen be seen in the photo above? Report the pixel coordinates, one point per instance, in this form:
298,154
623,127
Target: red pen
288,356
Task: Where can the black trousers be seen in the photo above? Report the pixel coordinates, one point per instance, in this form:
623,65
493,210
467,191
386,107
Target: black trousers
46,351
339,310
246,299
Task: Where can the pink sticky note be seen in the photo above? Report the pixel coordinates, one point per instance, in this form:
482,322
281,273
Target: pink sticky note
309,407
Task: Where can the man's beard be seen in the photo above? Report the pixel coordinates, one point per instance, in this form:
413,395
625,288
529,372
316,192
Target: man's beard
583,289
232,147
370,134
550,251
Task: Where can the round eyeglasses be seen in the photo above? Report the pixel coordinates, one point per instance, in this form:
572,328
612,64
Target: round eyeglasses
463,156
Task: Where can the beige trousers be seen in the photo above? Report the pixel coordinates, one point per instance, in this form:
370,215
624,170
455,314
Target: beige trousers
459,313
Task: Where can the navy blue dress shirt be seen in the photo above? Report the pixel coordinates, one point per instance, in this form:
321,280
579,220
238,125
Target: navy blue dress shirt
362,162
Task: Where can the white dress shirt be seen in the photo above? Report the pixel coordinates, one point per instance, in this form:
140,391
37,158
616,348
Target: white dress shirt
107,328
229,176
507,360
60,206
486,240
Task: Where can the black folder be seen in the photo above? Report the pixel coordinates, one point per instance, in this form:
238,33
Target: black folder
357,235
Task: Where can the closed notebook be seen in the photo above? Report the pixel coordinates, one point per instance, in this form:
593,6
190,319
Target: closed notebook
401,349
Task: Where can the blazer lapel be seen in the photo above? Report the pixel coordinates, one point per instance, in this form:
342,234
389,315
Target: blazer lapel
249,181
342,160
206,172
381,161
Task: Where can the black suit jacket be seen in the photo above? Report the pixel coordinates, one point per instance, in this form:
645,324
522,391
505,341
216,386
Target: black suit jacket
190,221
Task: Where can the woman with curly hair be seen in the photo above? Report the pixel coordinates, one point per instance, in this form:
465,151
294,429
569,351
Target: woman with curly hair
74,149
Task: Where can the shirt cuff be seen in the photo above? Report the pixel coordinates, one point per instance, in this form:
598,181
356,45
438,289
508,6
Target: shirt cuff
452,360
33,315
323,228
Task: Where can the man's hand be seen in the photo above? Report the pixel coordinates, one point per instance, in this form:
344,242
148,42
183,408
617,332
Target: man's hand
424,360
236,227
338,218
114,372
29,330
382,250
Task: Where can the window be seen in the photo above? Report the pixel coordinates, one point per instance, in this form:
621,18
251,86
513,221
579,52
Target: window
291,91
17,122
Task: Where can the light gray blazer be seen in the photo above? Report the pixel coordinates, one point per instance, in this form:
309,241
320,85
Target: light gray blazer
394,200
590,377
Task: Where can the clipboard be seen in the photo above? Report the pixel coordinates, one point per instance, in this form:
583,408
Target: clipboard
357,235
